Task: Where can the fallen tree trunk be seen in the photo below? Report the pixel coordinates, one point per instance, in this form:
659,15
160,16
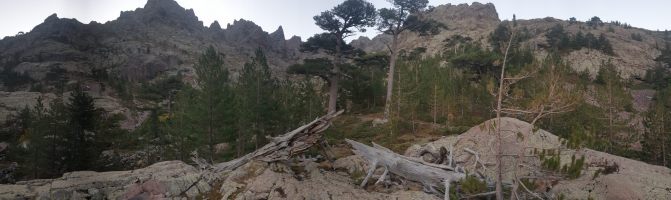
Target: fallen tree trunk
432,176
285,146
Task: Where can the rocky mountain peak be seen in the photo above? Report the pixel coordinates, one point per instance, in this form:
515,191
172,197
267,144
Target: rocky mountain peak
162,4
215,26
476,11
243,24
244,31
165,12
278,34
51,18
476,20
58,28
294,42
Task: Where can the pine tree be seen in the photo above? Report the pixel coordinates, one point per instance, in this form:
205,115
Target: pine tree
83,117
184,124
405,16
613,98
37,137
215,99
54,138
341,22
257,101
656,140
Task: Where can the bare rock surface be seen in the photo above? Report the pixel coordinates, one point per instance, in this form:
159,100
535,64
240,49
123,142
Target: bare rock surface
633,180
11,102
516,135
305,179
163,180
276,181
477,21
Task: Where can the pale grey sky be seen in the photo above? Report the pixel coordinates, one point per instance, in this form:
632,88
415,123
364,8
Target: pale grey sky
295,16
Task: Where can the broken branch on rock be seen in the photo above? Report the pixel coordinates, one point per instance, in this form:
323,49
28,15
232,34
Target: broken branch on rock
430,175
285,146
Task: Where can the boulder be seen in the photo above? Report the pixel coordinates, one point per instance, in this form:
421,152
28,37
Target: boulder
163,180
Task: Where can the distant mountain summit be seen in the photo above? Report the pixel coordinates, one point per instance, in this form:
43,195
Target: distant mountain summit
139,45
476,22
159,40
163,39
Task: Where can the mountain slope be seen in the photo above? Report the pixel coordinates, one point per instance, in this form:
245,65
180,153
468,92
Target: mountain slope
477,21
160,40
139,45
296,178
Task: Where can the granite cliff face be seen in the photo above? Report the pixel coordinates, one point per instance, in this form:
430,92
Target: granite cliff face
477,21
140,44
155,41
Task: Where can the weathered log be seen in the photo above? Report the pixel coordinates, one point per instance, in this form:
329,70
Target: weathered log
285,146
431,175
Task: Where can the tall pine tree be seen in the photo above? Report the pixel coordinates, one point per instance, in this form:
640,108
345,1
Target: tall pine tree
83,117
257,101
215,98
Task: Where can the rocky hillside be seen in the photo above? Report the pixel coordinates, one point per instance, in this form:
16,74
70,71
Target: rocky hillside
478,21
156,41
139,45
603,176
315,178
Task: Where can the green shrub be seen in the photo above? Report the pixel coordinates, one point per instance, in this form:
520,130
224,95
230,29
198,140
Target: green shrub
472,185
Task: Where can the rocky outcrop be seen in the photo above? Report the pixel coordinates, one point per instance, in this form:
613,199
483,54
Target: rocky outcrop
303,178
139,45
142,45
516,135
476,21
303,181
12,102
164,180
632,179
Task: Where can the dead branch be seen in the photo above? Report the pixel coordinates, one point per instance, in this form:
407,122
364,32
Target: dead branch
285,146
429,174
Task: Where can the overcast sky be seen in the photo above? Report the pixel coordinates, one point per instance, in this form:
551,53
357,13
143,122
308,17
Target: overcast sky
295,16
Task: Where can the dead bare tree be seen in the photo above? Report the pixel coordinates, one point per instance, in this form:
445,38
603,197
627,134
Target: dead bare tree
556,99
499,148
284,146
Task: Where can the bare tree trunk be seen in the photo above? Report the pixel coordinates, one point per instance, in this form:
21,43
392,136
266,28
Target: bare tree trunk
430,175
499,150
333,91
334,79
664,138
390,76
257,119
435,104
209,128
610,106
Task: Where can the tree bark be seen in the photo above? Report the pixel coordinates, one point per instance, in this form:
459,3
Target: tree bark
431,175
390,76
334,78
499,148
210,132
333,91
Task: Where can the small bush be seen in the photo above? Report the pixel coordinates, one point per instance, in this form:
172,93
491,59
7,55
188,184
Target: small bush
637,37
596,174
472,185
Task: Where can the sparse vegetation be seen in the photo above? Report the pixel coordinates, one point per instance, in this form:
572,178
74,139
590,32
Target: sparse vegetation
202,104
560,40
